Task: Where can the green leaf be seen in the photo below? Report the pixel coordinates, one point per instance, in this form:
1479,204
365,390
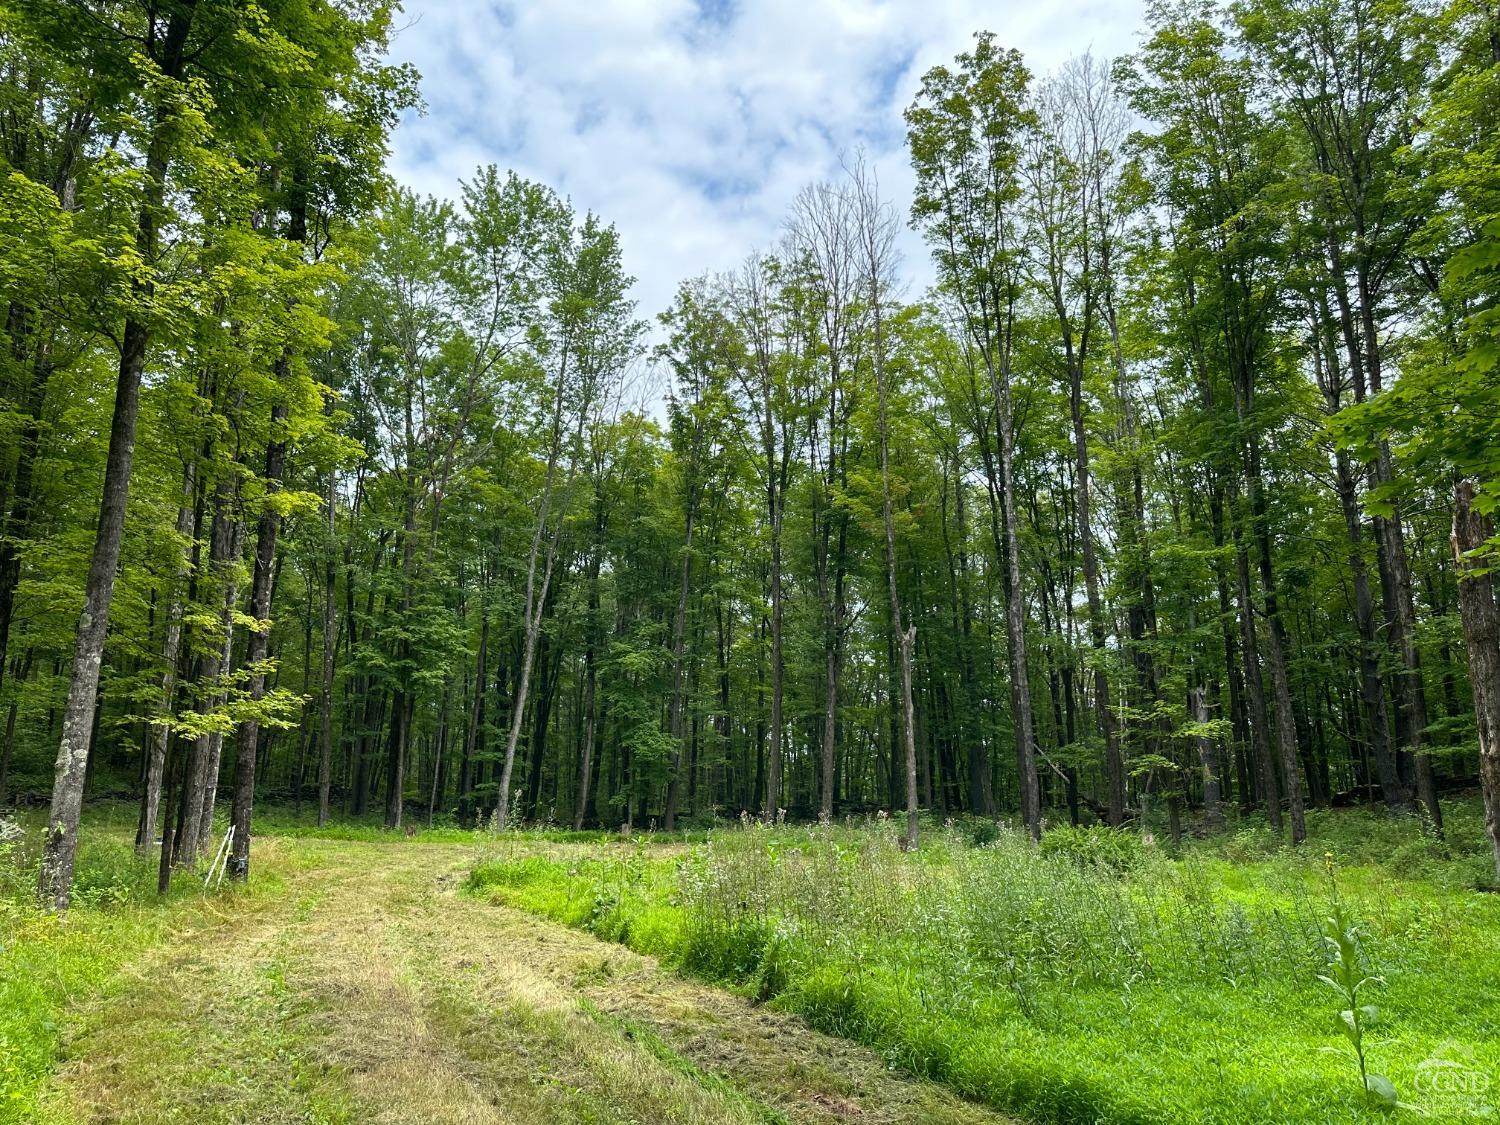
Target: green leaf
1381,1091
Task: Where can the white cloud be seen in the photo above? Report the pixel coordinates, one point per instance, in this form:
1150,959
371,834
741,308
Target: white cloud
691,124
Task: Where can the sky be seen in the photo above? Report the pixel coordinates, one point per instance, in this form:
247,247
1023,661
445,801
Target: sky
692,124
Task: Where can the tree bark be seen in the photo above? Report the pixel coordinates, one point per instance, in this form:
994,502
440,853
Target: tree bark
1114,766
1394,792
60,847
330,649
679,628
907,634
267,529
1480,616
1277,646
201,772
1213,809
1270,790
1015,611
536,599
161,732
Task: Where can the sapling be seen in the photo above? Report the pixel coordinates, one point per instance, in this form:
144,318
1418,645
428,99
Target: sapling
1347,976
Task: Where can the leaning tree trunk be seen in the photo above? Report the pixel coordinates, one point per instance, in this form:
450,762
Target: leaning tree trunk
60,848
61,845
1481,624
536,599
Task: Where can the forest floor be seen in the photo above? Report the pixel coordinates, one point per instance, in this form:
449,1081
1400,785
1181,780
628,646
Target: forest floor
365,987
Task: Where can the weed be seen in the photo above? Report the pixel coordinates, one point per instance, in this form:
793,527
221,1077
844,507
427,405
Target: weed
1094,978
1347,975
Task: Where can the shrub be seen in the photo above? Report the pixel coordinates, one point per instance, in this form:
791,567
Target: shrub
724,951
1096,846
982,832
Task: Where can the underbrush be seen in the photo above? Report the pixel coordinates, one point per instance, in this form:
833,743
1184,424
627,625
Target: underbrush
284,820
1096,977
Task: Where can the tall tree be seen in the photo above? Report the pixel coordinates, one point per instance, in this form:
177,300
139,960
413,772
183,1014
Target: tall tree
965,131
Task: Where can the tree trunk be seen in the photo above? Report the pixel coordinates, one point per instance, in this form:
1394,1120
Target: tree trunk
267,529
1270,790
330,650
1015,612
536,600
1277,646
907,633
981,795
60,848
1213,810
1372,691
1481,624
161,732
1362,345
1114,767
773,750
679,628
201,775
473,735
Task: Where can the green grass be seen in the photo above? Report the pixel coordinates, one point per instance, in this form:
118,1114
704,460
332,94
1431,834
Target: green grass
49,962
283,820
1094,978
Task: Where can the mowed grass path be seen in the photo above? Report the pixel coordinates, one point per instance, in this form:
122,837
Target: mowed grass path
370,991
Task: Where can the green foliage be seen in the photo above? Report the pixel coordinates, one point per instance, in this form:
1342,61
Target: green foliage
1096,847
1062,983
1347,974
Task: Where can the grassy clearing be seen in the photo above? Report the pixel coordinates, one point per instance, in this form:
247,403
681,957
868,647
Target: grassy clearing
284,820
351,982
1095,978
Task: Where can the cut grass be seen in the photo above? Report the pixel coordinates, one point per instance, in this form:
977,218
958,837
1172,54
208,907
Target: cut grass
50,963
634,1030
1095,979
350,983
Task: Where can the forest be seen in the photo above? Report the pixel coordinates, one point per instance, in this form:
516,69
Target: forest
1162,517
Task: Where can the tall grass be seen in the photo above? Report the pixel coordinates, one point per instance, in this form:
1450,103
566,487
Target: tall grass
1093,978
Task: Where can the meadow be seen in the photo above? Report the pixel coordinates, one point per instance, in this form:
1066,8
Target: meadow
1101,976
